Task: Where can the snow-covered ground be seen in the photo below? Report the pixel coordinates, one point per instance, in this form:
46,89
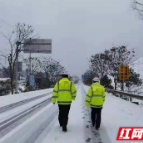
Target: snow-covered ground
4,79
9,99
138,66
118,113
28,128
75,132
15,111
112,83
43,127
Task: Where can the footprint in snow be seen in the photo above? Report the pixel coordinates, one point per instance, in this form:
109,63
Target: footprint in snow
87,126
96,134
88,140
56,138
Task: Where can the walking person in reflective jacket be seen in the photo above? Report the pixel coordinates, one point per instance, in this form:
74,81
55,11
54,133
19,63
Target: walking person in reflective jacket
95,98
64,92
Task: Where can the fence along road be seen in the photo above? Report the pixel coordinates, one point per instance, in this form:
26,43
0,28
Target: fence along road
125,94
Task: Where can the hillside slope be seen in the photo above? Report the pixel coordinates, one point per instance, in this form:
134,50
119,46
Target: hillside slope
138,66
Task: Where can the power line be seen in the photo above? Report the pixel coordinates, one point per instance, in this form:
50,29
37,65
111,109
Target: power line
6,23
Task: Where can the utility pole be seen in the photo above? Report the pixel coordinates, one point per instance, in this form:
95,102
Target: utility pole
30,64
16,69
123,85
30,70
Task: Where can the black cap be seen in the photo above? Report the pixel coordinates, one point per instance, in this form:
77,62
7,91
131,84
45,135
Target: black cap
64,75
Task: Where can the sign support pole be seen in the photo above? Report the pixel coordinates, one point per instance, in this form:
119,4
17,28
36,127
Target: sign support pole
123,85
16,63
30,73
35,46
30,64
16,72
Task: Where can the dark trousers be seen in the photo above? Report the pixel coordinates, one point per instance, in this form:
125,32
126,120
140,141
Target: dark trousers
63,114
96,116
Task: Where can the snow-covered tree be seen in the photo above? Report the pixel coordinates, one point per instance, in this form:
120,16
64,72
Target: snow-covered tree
52,69
99,64
118,56
108,62
33,64
134,79
106,82
89,75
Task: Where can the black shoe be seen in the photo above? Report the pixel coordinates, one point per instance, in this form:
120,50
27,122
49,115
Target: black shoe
93,124
97,128
60,124
64,129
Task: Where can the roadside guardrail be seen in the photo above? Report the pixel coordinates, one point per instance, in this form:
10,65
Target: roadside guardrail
125,95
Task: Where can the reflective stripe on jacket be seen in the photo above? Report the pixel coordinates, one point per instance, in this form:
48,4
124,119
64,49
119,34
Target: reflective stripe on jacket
95,96
64,92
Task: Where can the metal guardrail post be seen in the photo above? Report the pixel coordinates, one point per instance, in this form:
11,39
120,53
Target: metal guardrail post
130,99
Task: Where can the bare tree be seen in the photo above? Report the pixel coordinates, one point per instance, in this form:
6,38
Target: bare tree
17,37
138,6
51,68
33,65
99,64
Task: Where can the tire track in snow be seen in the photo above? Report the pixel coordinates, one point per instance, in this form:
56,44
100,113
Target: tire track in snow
11,123
41,129
20,103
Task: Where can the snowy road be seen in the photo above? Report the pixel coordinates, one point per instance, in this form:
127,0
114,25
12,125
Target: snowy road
118,113
75,127
14,115
43,127
20,103
10,123
10,99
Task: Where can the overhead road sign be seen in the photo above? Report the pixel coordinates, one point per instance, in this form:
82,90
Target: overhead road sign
37,46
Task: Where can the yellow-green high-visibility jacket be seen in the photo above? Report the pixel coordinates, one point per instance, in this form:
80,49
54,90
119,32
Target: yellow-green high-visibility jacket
95,96
64,92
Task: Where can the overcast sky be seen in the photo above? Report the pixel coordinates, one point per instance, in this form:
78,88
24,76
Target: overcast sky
78,28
